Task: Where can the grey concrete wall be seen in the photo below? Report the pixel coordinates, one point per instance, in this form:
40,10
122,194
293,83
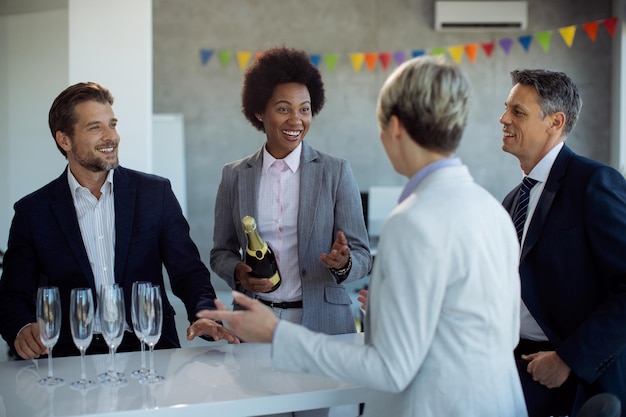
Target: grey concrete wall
209,96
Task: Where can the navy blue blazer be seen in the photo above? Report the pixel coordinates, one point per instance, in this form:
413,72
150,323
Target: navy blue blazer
573,270
46,248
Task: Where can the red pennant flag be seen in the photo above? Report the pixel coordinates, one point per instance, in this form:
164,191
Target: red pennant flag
385,58
370,60
610,25
488,48
592,29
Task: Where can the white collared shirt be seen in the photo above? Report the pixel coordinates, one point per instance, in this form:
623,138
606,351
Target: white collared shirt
529,328
277,220
96,219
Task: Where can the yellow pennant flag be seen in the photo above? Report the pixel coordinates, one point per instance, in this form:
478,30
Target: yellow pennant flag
357,61
456,52
567,33
242,58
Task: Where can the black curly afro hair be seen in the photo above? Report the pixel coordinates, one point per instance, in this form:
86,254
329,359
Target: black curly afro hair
279,65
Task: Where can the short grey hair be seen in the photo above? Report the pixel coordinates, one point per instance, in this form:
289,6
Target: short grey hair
557,93
430,96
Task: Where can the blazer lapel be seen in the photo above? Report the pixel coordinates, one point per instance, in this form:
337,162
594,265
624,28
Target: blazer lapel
310,183
545,201
65,213
124,191
248,188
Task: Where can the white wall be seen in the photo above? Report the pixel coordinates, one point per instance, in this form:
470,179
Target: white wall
111,43
35,70
41,53
618,107
168,153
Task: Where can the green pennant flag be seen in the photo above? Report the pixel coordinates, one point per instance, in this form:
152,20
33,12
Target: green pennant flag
438,51
225,57
331,61
544,39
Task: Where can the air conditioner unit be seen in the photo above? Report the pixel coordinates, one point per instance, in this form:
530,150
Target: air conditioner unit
481,15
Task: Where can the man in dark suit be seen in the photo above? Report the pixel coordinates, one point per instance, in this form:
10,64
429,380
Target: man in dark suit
97,224
573,252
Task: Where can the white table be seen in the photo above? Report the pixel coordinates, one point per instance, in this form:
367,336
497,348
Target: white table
216,380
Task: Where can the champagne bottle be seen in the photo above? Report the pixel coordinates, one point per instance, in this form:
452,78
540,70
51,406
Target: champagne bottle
259,255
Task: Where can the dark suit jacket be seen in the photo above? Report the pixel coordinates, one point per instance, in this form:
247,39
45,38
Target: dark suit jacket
573,270
46,248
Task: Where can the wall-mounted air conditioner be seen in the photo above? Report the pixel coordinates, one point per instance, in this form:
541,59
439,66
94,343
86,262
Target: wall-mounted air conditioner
481,15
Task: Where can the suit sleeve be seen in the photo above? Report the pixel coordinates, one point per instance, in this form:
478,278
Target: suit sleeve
225,253
349,219
598,340
189,277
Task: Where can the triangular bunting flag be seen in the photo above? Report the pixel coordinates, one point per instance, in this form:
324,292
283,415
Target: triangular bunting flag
592,29
399,57
315,59
456,52
331,61
544,39
525,41
438,51
418,52
205,55
225,57
242,58
385,58
568,33
357,61
610,25
370,60
471,50
506,45
488,48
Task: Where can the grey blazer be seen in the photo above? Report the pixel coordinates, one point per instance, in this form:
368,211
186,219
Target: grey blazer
329,202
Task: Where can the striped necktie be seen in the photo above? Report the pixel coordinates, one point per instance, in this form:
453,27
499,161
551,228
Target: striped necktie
519,215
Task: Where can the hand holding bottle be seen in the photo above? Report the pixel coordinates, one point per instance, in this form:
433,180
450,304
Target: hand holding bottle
249,282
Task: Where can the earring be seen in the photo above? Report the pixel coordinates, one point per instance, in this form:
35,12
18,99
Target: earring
260,119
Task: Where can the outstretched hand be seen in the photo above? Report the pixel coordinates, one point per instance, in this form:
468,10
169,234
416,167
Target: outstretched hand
206,327
254,324
339,253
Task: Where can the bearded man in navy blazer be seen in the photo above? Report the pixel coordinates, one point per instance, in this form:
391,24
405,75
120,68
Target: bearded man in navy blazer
97,224
573,252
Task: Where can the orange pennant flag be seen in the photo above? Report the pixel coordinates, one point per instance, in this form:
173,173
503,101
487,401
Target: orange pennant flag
357,61
471,50
385,59
242,58
370,60
592,29
610,24
456,52
568,33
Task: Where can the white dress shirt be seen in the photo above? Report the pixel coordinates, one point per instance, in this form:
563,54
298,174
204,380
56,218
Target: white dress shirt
96,219
530,329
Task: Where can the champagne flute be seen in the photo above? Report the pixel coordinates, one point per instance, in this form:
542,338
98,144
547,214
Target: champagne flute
138,290
81,321
151,322
49,325
112,324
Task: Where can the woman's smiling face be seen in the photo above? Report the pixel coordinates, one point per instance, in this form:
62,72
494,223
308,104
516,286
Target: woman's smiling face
287,118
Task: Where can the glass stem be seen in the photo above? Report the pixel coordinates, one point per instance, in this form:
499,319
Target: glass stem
83,374
111,361
152,371
50,374
143,355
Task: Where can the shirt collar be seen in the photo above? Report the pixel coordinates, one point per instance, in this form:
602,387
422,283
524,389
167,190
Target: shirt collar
424,172
541,171
292,160
75,185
